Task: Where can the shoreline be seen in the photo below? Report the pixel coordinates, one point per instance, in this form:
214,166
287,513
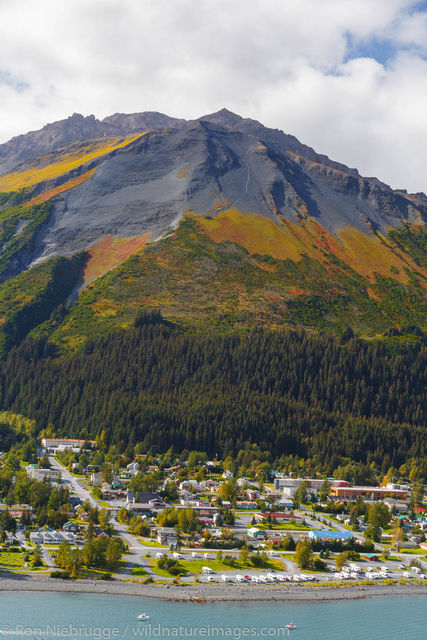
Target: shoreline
203,593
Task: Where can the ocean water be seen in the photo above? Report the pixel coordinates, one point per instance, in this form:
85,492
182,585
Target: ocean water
95,616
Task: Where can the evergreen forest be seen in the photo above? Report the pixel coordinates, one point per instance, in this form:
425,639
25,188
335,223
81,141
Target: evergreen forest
319,397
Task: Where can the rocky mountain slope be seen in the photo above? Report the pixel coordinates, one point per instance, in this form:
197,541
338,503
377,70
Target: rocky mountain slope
256,225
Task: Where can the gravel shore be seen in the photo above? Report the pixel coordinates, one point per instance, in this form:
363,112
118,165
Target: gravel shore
208,592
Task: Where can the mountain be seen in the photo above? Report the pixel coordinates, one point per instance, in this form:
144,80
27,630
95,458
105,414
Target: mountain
211,284
217,222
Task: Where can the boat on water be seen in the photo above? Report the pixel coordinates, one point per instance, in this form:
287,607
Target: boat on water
143,616
290,625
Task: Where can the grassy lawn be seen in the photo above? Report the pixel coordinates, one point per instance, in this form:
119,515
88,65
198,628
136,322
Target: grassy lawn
152,543
103,503
12,560
139,572
242,512
93,574
417,551
282,527
15,562
160,572
196,566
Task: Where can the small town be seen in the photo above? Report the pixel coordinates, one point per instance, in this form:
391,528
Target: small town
75,512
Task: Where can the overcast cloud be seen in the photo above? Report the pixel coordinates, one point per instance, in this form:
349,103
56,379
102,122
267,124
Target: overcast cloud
347,77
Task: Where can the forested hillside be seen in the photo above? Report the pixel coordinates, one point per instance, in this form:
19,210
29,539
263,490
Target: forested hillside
286,391
200,284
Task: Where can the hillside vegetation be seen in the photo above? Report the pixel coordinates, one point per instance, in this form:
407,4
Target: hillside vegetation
289,392
199,283
30,298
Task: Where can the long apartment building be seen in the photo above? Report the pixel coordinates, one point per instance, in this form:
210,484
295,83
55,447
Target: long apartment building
52,445
369,493
290,485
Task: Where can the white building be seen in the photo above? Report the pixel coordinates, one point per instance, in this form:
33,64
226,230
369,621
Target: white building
36,537
52,537
314,484
96,478
35,473
133,468
52,445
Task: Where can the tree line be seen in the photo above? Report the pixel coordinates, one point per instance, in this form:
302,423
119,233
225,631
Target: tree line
288,392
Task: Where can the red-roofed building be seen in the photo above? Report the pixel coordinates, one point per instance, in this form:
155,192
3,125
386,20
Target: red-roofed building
279,516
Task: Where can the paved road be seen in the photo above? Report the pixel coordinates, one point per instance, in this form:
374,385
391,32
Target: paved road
136,549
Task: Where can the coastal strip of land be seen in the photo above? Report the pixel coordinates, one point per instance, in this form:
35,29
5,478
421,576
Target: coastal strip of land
204,593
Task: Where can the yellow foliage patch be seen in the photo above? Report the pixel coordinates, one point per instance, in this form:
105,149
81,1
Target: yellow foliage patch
105,308
256,233
364,253
367,254
70,184
54,165
110,251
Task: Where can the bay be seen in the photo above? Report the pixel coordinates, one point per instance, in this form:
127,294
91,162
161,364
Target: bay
75,615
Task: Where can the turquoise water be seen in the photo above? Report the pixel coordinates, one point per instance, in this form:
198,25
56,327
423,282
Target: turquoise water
72,615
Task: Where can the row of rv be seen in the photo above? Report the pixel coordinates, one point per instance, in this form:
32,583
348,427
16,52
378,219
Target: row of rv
269,577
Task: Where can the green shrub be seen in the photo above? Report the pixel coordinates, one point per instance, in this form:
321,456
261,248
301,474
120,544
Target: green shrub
60,574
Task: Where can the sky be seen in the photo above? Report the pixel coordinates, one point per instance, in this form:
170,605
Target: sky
347,77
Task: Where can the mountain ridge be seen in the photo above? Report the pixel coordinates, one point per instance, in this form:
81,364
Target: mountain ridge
341,250
79,127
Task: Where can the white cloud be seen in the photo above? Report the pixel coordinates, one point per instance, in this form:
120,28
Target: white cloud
280,61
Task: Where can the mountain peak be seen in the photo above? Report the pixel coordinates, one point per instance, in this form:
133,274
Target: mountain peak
223,117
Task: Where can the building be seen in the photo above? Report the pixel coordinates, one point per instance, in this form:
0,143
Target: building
286,503
36,537
321,534
167,535
246,504
52,537
141,496
315,484
141,508
35,473
206,511
52,445
369,493
95,478
395,505
18,510
279,516
133,468
371,557
255,533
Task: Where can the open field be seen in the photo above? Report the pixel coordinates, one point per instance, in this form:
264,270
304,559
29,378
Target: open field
10,560
217,566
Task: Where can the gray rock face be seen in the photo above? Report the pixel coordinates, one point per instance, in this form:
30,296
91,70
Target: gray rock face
207,165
